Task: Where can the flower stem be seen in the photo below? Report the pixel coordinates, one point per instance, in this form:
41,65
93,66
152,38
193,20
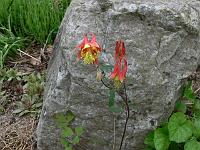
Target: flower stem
125,99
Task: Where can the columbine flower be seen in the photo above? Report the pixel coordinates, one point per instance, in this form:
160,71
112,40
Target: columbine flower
120,68
89,50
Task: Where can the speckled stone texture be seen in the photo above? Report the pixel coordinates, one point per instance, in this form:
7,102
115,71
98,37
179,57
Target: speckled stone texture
162,43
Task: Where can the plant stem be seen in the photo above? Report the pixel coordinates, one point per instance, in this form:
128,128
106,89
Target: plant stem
125,99
127,115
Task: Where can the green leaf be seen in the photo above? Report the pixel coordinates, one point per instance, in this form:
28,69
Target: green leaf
197,104
1,108
188,92
64,142
149,140
67,132
60,117
76,140
161,139
180,106
68,147
115,109
196,113
196,129
79,131
180,129
173,146
70,116
111,98
149,148
192,145
106,67
17,111
24,113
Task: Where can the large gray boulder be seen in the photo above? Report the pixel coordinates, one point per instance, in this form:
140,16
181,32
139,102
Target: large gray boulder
163,49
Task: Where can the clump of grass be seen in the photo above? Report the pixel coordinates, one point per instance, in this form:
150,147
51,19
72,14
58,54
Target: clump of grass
9,44
35,18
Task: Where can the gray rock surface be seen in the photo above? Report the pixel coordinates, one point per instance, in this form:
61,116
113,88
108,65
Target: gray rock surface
163,49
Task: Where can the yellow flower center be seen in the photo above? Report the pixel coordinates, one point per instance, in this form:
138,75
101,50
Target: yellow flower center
88,58
117,82
89,55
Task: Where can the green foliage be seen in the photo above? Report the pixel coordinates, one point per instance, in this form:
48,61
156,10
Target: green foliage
182,131
111,103
161,138
9,44
36,18
31,101
69,136
29,87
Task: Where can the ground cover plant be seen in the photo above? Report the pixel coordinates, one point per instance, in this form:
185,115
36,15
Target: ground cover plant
182,131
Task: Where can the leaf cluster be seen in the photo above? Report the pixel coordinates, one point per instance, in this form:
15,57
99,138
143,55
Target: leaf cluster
69,136
182,131
25,89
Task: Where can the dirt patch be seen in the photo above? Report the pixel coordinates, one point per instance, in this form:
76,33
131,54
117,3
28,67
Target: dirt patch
17,133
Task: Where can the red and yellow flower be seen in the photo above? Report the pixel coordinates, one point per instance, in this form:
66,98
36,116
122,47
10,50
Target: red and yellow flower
120,68
89,50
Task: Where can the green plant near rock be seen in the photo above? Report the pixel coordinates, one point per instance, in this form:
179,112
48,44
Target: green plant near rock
28,88
69,136
31,101
6,76
182,131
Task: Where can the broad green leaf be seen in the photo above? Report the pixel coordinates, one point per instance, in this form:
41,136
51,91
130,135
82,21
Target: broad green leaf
180,106
188,92
192,145
76,140
149,140
67,132
161,139
79,131
196,129
60,118
180,129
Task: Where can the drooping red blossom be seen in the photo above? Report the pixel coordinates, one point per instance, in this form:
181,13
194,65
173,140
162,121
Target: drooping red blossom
89,50
120,68
120,51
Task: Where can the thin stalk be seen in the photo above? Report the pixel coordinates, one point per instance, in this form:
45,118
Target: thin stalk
125,99
127,115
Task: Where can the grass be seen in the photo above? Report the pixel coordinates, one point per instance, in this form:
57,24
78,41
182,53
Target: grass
9,44
20,20
33,18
